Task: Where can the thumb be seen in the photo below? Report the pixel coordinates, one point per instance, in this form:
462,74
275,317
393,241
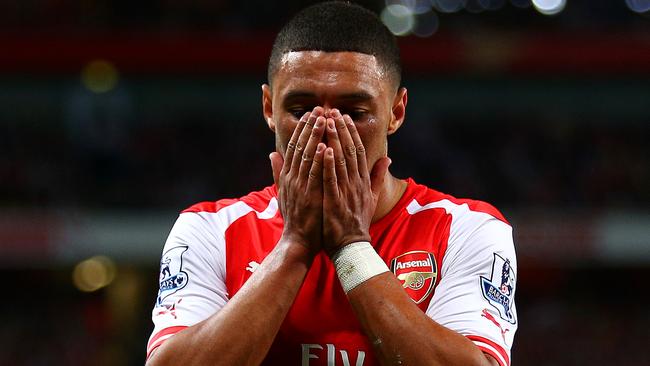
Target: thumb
378,174
276,165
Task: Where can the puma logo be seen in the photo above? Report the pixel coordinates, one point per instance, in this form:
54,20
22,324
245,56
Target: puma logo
489,317
169,310
252,266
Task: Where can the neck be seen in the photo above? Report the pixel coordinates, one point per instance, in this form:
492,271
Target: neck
389,194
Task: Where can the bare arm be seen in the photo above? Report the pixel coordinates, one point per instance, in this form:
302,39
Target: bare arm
242,332
260,306
400,332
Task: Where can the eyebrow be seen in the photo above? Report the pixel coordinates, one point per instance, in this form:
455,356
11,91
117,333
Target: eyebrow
302,94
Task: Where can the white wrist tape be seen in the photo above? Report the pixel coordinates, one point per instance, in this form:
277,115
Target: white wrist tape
356,263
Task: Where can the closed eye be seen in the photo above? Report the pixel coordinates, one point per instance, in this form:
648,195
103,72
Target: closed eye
357,115
298,112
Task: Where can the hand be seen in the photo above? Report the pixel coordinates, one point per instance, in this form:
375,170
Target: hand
298,177
350,191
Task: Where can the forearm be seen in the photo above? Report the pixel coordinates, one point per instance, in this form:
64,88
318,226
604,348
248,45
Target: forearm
401,333
242,332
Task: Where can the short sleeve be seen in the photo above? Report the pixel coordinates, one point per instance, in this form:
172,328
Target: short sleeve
475,296
192,278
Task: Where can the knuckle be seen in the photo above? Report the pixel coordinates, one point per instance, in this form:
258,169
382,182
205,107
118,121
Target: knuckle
340,162
361,149
350,150
299,147
291,145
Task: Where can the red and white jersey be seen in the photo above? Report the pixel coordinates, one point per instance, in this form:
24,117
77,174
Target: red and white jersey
454,257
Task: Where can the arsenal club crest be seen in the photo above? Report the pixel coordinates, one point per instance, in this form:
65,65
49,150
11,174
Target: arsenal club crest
417,271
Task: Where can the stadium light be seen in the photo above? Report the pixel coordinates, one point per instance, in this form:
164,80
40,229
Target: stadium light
549,7
449,6
99,76
93,273
399,19
638,6
426,24
415,6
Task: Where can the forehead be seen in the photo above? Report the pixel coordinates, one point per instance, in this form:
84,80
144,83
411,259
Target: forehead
329,73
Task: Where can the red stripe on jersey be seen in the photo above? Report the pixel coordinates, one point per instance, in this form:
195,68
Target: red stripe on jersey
167,331
494,345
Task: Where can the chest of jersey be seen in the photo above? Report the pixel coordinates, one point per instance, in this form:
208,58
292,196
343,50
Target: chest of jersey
321,328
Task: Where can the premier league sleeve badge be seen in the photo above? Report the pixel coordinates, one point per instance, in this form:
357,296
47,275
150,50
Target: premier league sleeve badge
499,289
172,276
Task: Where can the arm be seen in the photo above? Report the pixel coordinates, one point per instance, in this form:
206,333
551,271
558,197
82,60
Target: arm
400,332
263,302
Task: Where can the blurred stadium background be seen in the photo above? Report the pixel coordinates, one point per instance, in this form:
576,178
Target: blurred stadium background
115,115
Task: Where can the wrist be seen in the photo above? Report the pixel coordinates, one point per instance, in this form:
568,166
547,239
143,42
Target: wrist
356,263
296,249
332,247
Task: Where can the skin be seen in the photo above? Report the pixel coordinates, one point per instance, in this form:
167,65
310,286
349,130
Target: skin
331,113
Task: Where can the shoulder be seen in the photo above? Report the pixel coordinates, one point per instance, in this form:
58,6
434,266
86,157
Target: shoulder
425,198
257,200
217,216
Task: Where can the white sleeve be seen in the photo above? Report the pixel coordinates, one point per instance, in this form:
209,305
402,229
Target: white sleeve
192,277
475,296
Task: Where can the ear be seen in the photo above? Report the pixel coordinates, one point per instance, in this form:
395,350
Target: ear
399,110
267,106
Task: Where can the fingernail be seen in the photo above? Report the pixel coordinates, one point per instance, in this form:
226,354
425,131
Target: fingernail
320,121
336,113
319,148
330,124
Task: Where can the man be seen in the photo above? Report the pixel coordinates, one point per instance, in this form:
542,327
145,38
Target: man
298,273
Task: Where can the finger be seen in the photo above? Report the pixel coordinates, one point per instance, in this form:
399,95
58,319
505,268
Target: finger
330,185
291,145
316,171
347,144
378,174
310,148
359,148
296,159
339,160
276,165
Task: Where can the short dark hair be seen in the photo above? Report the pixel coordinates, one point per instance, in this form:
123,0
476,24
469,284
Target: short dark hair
337,26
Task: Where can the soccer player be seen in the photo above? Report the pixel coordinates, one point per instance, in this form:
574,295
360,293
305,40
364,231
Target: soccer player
339,262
